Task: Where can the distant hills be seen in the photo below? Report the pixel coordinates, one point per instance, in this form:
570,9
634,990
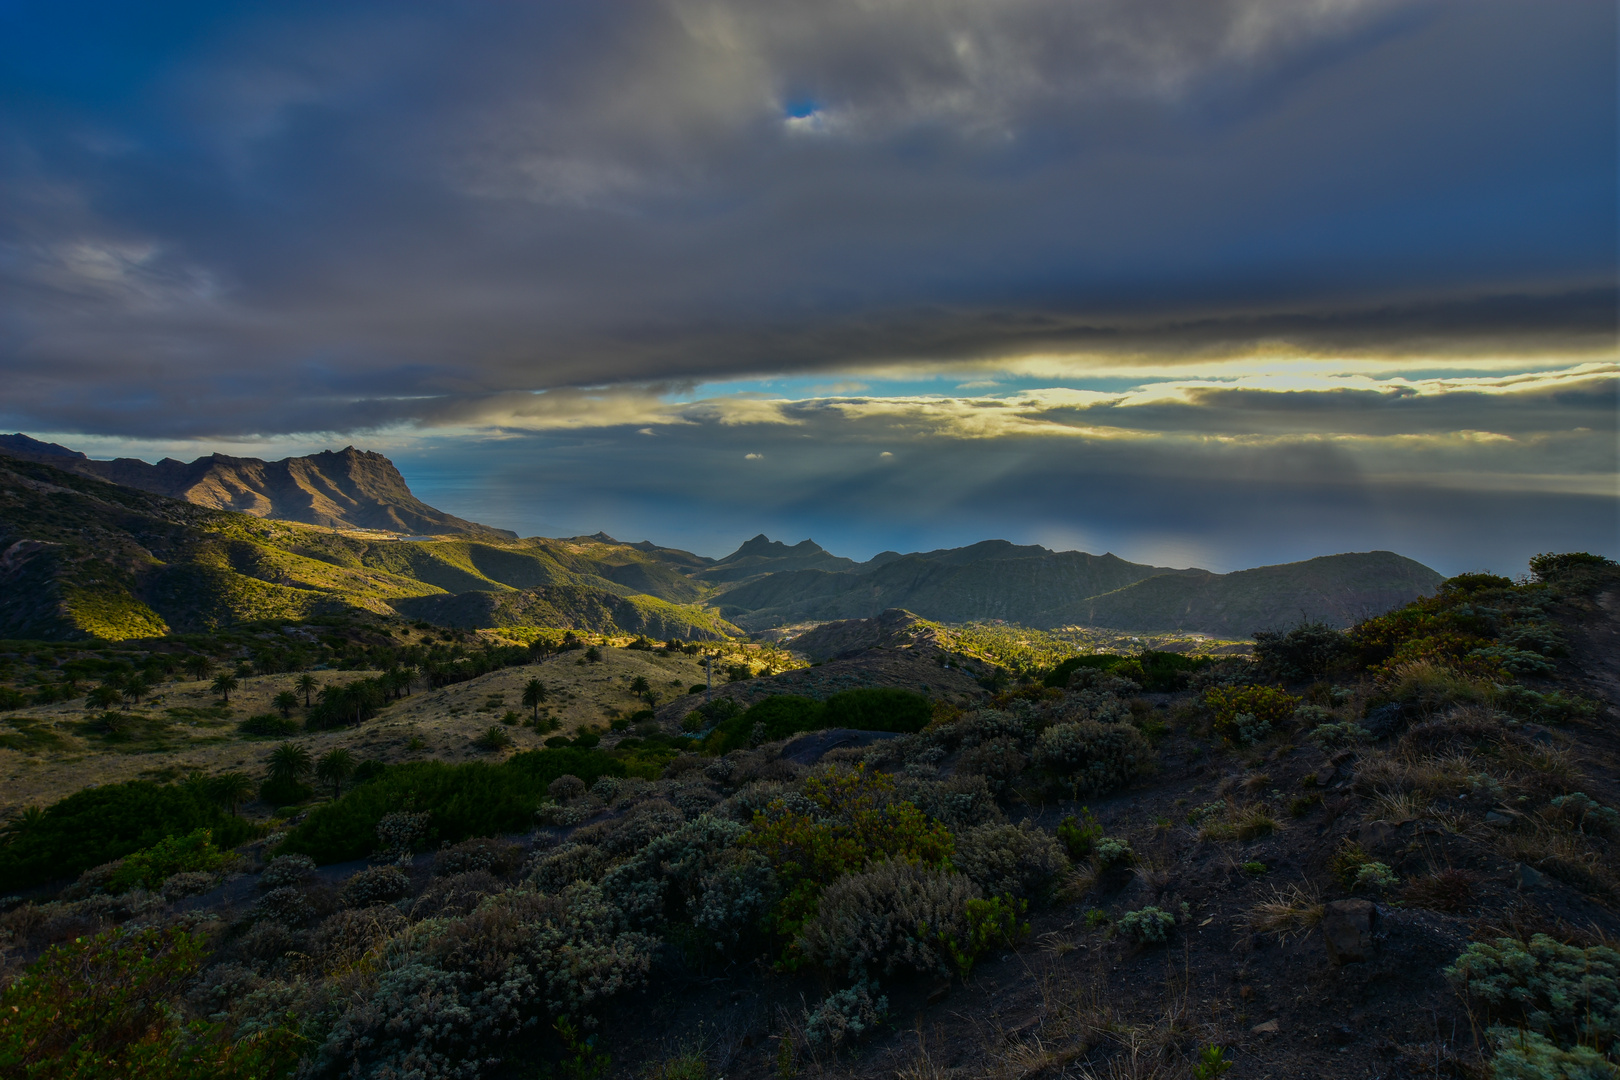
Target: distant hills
344,489
1036,587
120,548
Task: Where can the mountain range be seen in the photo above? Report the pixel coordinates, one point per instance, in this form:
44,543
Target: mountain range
122,548
342,489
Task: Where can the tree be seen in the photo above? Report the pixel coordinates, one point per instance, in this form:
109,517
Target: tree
103,697
197,666
286,701
534,696
593,654
335,767
307,686
640,687
30,820
223,684
230,790
135,688
289,763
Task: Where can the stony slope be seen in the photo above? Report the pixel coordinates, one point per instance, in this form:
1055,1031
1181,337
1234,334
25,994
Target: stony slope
345,489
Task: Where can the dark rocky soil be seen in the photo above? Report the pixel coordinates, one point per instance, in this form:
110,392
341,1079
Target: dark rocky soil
1074,1001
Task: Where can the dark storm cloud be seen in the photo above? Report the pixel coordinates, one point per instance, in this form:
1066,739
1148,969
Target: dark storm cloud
220,220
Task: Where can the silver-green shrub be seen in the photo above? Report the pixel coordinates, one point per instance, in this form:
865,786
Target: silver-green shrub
565,864
1146,926
998,761
958,802
286,905
1562,991
374,885
1527,1055
1090,758
1010,860
889,917
286,870
845,1016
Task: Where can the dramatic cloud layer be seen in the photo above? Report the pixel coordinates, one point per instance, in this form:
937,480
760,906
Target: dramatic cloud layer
892,269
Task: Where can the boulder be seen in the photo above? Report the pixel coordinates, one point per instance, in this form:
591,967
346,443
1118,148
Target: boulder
1348,927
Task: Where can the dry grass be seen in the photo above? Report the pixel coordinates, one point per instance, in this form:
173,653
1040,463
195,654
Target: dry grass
1242,822
1291,910
1256,782
1449,889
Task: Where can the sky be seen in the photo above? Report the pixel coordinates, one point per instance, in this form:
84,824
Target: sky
1200,282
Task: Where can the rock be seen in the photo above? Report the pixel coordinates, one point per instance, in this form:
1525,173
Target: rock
811,748
1270,1027
1380,836
1347,930
1527,876
1494,818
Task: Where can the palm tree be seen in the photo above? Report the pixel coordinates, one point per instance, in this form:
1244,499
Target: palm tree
307,687
289,762
335,767
30,820
230,790
135,688
534,696
198,666
223,684
286,701
103,697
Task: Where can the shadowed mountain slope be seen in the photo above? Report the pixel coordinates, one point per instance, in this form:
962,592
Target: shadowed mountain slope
81,558
346,489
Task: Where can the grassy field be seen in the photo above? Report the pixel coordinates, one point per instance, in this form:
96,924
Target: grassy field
50,751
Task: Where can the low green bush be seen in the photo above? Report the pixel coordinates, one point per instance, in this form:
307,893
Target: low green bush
1090,758
475,799
149,868
269,724
100,824
1152,670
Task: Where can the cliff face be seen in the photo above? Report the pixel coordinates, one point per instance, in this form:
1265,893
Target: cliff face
348,488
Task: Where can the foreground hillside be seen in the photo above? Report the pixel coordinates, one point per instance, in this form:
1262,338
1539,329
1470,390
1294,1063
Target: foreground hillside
1387,852
81,558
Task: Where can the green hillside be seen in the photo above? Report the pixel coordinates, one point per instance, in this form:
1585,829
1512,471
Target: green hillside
81,558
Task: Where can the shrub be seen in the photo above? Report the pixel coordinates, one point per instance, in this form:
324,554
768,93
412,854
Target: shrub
711,714
97,825
1331,736
1269,705
148,869
1562,991
494,738
1210,1063
848,823
890,917
1146,926
1526,1055
475,799
1080,834
845,1016
287,870
287,906
1012,860
285,791
374,885
999,761
877,708
107,1006
496,856
269,724
1306,652
401,833
1585,814
566,788
992,923
1092,758
1374,877
1111,852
